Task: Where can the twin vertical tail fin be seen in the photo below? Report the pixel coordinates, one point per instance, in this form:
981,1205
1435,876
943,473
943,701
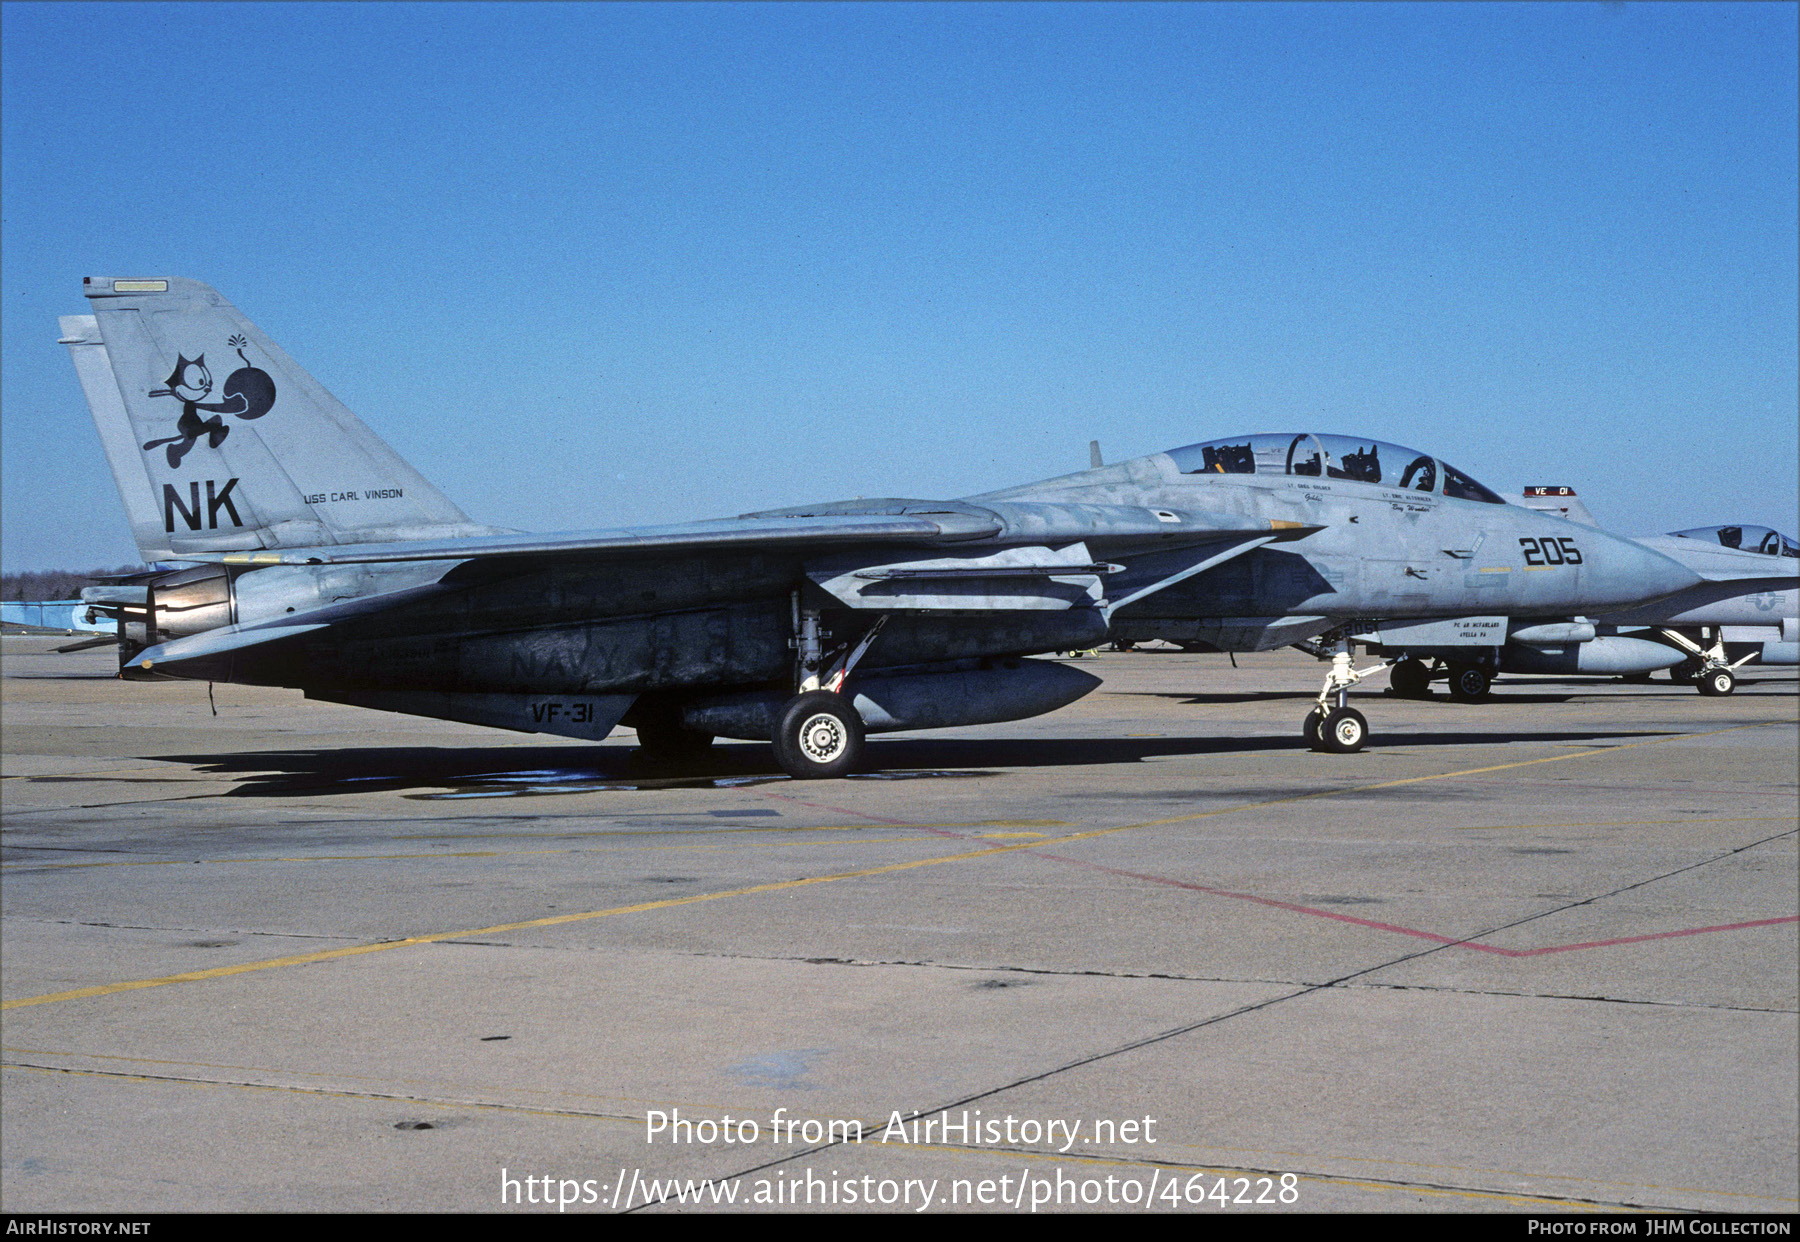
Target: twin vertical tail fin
1558,502
220,442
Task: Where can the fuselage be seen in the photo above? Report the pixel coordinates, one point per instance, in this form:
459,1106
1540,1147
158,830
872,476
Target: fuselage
1349,550
1380,551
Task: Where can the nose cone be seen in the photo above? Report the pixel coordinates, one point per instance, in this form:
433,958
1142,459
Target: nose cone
1623,572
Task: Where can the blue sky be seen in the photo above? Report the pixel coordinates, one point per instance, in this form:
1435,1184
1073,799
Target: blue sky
598,265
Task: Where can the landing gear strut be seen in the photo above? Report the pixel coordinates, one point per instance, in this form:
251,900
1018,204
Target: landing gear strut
818,733
1706,668
1333,725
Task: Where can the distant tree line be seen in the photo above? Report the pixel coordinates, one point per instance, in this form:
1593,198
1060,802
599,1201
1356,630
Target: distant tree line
42,584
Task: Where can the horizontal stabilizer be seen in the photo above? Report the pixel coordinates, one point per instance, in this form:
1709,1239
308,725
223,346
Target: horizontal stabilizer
216,642
230,638
105,640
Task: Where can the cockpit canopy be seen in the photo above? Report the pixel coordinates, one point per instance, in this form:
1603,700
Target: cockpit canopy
1745,538
1334,457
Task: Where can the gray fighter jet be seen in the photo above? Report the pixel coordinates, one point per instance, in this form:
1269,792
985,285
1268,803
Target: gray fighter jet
292,547
1747,607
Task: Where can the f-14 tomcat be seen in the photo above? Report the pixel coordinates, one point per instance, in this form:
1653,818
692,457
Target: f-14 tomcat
308,554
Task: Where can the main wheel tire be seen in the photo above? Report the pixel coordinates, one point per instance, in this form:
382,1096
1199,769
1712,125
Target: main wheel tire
1309,728
1410,679
1343,731
1716,683
818,735
1469,683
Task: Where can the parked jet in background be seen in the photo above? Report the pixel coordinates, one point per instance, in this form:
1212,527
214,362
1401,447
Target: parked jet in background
1747,607
316,558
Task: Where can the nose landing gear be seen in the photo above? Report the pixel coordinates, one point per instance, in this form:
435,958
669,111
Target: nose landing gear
1340,731
1706,668
1333,726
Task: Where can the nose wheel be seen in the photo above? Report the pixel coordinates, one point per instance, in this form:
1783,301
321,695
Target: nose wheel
1715,682
1338,731
1333,726
1706,668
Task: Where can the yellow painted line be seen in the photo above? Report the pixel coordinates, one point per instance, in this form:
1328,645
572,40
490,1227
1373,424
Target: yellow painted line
383,1097
638,1102
1497,569
649,831
1411,780
217,862
382,946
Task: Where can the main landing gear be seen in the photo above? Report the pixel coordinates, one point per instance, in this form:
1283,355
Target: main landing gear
1468,683
1334,726
818,733
1411,679
662,738
1706,668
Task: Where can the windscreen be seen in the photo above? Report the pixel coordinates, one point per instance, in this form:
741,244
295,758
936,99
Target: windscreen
1351,458
1745,539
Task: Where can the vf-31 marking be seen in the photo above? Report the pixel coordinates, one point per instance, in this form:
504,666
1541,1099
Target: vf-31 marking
808,627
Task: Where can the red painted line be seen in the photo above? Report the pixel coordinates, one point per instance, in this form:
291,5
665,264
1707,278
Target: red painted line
1688,931
1411,931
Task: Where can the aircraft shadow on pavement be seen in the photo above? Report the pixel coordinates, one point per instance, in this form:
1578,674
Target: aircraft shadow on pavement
453,772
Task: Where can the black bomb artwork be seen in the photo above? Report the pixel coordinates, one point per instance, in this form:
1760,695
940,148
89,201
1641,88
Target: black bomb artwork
249,393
